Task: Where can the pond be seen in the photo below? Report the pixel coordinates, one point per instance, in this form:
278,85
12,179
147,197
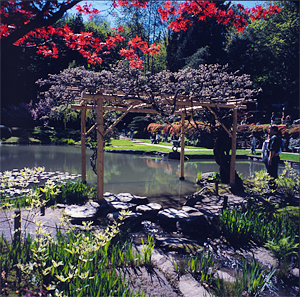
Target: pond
155,178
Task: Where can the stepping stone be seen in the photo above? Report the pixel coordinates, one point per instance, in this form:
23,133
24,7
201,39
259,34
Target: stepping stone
189,287
126,198
149,210
130,198
117,206
168,217
224,276
191,210
85,212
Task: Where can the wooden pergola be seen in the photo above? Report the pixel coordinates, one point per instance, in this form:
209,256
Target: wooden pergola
107,100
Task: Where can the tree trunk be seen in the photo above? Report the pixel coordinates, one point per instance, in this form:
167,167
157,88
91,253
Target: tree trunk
222,156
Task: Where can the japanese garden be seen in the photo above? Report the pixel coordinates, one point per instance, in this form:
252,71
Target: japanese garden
149,148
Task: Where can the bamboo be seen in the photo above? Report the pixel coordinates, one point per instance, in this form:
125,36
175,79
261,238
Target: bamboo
182,149
233,147
83,145
100,149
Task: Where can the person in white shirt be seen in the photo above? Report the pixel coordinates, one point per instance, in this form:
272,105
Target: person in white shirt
264,152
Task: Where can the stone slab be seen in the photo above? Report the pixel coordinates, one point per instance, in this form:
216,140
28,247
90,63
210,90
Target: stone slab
189,287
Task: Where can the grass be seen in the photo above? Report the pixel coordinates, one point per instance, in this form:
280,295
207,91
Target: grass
124,144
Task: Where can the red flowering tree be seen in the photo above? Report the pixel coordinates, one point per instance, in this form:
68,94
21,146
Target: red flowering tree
30,24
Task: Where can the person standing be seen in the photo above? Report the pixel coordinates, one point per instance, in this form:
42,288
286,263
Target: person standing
274,147
253,145
273,118
264,152
131,133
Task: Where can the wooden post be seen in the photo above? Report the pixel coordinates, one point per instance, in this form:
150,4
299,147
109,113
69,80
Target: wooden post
100,149
83,148
182,148
233,147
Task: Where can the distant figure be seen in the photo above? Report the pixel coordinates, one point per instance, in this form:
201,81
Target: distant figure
264,152
273,118
244,121
152,138
131,133
157,138
288,120
274,149
253,145
124,129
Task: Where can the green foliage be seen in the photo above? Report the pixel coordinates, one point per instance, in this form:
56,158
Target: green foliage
200,266
262,50
147,250
214,177
251,278
71,264
257,224
289,181
283,249
74,193
199,176
259,183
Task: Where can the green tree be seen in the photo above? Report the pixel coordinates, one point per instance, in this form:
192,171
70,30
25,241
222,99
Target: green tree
145,22
268,50
199,44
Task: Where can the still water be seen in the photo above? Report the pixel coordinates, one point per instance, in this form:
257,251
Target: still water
136,174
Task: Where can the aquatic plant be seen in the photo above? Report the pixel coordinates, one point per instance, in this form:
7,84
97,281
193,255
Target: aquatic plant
250,278
256,223
74,263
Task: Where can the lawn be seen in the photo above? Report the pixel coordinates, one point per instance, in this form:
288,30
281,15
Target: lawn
144,145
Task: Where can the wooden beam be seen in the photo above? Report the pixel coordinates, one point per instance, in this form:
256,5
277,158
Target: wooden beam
83,147
219,121
233,147
118,120
100,149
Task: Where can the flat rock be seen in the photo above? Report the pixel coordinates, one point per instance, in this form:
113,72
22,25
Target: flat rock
117,206
168,217
130,198
149,210
191,210
84,212
125,198
189,287
177,244
224,276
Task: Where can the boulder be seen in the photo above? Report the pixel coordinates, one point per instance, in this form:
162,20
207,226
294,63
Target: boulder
193,199
168,217
131,221
149,211
198,224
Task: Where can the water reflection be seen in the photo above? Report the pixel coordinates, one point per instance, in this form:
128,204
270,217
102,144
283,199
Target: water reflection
140,175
